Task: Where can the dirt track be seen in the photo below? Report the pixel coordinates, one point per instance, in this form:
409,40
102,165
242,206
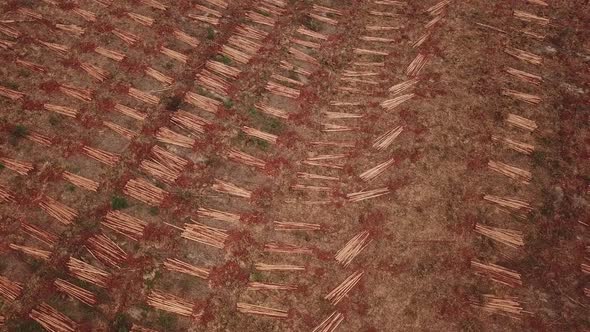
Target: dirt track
211,156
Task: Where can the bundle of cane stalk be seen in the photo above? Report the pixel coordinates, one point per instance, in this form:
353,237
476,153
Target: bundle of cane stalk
235,54
256,286
342,290
524,76
29,13
204,234
60,49
305,43
374,172
508,202
331,323
270,138
143,96
72,28
110,54
52,320
311,176
367,194
158,76
416,66
364,51
438,8
295,226
88,273
432,22
125,36
21,167
166,135
322,164
511,171
138,328
94,71
145,192
172,54
520,122
124,224
284,79
279,113
63,110
208,11
497,273
309,33
84,14
324,19
141,19
39,138
80,181
384,141
218,215
102,156
247,45
508,306
10,93
213,82
515,145
176,265
222,69
250,32
57,210
528,17
185,38
353,248
403,86
279,267
154,4
302,56
193,123
231,189
130,112
332,128
422,39
170,303
40,234
304,187
526,97
585,268
75,292
30,65
7,44
204,18
260,19
246,159
509,237
286,248
205,103
9,289
247,308
126,133
30,251
299,70
164,165
524,56
376,39
334,144
5,195
11,32
106,250
282,90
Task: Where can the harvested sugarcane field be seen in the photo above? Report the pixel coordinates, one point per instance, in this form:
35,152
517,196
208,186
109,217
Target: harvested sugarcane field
294,165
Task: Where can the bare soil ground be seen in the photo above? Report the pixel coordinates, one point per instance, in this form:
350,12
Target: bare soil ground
284,165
